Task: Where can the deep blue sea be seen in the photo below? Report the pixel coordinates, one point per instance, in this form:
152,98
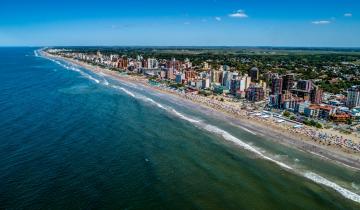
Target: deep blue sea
71,139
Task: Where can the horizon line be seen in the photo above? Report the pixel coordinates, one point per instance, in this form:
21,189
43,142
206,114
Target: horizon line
189,46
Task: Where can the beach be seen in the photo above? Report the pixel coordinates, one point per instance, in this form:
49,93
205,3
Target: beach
329,147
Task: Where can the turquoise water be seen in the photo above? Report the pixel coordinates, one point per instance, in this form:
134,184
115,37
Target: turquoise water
72,139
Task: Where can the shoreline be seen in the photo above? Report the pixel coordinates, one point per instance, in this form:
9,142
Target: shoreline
272,132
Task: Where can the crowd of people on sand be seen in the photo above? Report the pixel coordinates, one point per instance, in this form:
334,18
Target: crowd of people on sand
314,134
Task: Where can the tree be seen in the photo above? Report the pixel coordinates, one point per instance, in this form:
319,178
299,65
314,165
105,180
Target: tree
313,123
286,113
319,125
349,121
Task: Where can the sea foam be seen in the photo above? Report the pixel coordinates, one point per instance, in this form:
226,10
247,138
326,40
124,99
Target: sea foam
124,90
344,192
86,75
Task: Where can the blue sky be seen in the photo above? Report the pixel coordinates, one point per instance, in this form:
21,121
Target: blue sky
309,23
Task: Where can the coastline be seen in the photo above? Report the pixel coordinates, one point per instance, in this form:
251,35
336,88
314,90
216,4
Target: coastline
273,132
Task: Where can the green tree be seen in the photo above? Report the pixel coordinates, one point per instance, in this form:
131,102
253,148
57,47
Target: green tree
319,125
286,113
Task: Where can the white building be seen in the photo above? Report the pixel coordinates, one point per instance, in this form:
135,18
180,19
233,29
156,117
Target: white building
205,83
152,63
353,98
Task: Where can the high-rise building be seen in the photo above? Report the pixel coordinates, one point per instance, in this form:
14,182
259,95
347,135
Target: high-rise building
226,79
254,74
216,76
305,85
122,63
144,63
242,84
170,74
152,63
275,100
180,78
98,53
225,76
189,75
353,98
226,68
234,86
175,64
205,83
255,93
288,81
205,65
276,85
247,81
316,95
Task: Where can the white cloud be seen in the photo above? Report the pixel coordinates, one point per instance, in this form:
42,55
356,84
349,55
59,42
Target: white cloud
239,14
321,22
348,14
218,18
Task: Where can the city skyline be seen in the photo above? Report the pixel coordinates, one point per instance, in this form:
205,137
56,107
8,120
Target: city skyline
202,23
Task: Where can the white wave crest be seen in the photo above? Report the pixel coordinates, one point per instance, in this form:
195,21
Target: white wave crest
210,128
247,130
124,90
144,98
92,78
344,192
88,76
184,117
128,92
229,137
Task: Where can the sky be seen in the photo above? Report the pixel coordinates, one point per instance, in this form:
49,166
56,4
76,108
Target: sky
305,23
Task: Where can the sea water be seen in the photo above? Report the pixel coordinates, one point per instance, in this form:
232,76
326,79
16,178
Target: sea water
73,139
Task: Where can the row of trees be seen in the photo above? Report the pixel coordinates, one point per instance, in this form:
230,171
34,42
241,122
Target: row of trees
305,121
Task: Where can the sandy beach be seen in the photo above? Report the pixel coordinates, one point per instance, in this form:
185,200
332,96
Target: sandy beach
324,144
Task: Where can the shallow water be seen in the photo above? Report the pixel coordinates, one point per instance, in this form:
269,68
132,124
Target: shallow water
72,139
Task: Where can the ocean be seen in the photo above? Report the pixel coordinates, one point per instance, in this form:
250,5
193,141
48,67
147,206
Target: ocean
72,139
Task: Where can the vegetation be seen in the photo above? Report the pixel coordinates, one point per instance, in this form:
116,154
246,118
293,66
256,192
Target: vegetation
312,123
176,85
286,114
205,93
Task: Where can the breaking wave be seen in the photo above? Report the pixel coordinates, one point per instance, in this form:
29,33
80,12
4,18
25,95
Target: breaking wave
247,130
124,90
210,128
344,192
72,68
